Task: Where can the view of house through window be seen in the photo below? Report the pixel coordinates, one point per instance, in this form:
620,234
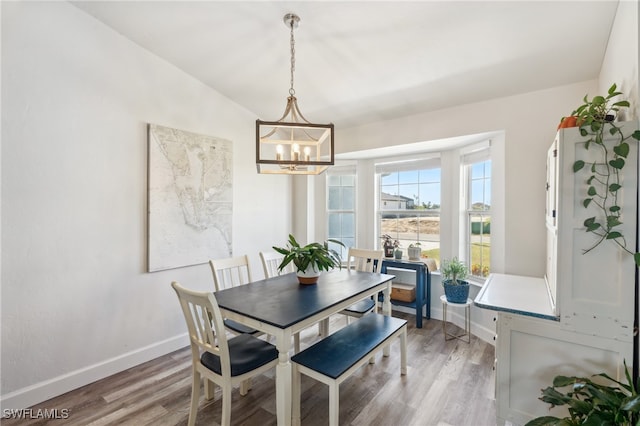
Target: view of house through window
409,206
479,217
341,211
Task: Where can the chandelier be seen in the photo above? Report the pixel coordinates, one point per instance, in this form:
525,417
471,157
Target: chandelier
293,145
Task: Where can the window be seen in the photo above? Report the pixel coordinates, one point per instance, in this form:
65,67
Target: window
409,204
477,168
341,208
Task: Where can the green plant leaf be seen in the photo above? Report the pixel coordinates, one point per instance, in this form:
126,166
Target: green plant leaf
591,178
578,165
593,168
636,258
636,135
612,221
614,209
612,89
592,191
614,187
583,132
586,202
622,150
617,163
613,235
598,100
621,104
543,421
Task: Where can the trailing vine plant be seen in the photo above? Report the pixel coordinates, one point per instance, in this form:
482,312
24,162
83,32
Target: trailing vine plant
596,121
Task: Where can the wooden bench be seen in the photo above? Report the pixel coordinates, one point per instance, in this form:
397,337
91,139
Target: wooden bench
334,358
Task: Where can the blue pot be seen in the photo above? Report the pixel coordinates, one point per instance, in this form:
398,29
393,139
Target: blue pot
456,293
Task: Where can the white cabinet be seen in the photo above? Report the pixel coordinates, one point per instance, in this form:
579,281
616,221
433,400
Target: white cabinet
577,317
530,352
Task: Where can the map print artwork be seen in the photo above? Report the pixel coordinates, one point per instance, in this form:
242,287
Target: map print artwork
190,198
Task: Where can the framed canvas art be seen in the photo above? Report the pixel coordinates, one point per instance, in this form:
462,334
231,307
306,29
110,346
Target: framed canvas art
190,198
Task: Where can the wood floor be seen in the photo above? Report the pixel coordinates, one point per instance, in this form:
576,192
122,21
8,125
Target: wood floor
447,383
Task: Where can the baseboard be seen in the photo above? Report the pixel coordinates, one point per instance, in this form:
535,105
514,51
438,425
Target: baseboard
40,392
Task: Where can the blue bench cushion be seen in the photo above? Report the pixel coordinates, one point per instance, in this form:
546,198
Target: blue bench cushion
362,306
334,355
246,352
239,328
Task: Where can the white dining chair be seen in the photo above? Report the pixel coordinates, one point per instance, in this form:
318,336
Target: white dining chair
225,362
365,261
231,272
271,261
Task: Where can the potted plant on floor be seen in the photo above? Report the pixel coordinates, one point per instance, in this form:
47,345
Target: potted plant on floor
591,403
310,260
454,272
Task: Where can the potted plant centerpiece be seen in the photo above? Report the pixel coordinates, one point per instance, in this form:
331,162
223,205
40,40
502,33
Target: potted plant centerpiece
414,251
454,273
310,259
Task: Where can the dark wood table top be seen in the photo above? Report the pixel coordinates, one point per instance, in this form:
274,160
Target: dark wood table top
282,301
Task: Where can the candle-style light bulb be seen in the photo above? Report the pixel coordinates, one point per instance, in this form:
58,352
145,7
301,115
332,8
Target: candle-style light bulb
307,153
279,151
295,154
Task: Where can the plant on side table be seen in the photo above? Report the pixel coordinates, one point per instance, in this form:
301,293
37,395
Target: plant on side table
454,272
310,259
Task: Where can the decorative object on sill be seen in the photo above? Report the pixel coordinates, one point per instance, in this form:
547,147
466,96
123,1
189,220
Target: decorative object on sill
603,182
389,245
310,260
414,251
397,254
292,144
454,272
591,402
431,263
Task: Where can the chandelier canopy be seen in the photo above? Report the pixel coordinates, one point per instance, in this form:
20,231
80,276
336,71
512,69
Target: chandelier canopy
292,144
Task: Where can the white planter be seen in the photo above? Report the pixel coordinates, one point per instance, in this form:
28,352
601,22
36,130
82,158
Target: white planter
310,276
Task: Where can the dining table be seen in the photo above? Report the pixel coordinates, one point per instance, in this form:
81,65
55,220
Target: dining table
281,307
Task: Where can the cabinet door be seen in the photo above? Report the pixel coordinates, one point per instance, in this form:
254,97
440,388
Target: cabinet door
530,352
595,289
552,184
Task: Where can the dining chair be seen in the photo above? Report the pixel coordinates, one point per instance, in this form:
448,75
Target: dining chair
270,262
231,272
365,261
225,362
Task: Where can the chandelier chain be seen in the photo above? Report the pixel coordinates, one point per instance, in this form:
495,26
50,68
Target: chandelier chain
292,91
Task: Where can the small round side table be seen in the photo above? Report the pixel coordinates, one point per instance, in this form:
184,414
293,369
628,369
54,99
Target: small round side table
467,319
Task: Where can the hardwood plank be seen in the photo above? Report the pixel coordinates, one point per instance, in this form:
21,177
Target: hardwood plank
447,384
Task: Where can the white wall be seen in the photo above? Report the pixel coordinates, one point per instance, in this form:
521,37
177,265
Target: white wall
77,304
621,60
529,123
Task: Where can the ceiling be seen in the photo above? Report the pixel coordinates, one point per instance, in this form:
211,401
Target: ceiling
359,62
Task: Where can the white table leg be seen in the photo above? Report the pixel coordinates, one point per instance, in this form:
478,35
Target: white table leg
386,310
284,379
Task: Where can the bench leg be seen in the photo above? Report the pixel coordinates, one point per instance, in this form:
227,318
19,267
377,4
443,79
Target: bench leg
295,395
403,351
334,404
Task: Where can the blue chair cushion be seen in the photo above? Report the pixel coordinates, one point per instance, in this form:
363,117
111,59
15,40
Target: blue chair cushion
239,328
247,353
362,307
